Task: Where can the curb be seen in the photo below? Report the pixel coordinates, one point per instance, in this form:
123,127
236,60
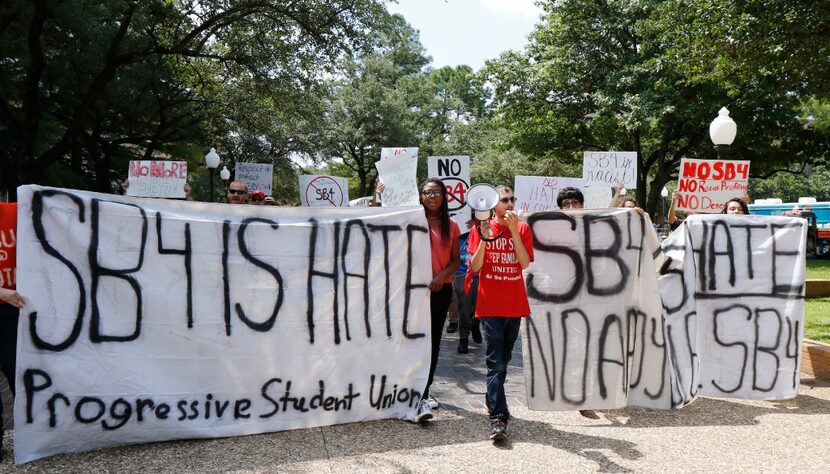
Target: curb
815,359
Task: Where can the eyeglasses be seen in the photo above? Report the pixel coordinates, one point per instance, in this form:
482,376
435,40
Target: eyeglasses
236,191
507,199
431,193
256,199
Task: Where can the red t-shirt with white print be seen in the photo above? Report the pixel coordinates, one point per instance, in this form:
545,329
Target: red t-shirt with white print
501,286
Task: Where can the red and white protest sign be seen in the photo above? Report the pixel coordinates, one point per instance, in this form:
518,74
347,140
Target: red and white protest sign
155,178
705,185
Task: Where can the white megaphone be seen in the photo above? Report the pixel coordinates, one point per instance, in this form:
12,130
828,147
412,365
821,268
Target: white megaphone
482,198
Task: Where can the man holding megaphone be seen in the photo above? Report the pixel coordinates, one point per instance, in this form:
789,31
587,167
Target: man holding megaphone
501,247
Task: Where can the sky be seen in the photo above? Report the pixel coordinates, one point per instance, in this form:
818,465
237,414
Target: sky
469,32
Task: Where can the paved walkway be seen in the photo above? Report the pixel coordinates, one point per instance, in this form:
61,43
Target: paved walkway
709,435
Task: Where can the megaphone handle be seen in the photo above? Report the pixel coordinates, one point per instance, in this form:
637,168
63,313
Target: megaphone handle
478,227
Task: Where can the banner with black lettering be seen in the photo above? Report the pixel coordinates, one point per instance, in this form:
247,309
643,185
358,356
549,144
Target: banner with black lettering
734,306
153,320
616,321
595,335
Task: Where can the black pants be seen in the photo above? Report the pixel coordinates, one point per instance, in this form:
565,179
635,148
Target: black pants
8,351
439,302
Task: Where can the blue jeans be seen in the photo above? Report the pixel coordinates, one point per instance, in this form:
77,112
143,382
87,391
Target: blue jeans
466,304
500,335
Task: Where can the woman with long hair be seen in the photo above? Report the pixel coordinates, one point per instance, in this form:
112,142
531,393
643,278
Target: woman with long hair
735,206
443,239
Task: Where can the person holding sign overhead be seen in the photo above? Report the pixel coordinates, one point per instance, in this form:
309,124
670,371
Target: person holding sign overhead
501,248
443,239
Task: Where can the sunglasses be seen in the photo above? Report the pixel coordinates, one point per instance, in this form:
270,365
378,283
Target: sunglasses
431,193
507,199
236,191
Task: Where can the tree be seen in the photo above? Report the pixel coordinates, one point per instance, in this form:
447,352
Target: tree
733,42
596,76
75,66
378,102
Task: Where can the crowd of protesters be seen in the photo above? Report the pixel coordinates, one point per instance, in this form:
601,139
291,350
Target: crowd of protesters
489,300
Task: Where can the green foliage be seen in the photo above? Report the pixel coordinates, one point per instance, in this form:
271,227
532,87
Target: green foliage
599,76
88,85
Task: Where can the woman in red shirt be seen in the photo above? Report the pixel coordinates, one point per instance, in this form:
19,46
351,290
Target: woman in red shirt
443,239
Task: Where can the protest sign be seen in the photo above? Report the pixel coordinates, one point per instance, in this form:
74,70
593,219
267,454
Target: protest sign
607,168
152,320
152,178
397,169
399,152
728,322
259,176
538,193
705,185
8,244
324,191
595,335
734,306
454,171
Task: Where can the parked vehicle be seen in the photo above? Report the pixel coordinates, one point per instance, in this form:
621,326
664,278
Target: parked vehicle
816,213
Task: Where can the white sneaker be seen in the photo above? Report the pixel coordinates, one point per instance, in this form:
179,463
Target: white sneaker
424,411
433,403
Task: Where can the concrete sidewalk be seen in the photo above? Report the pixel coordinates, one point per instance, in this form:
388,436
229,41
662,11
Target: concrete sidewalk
709,435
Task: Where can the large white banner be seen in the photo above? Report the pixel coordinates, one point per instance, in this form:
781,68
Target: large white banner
153,320
734,306
726,321
538,193
595,335
397,169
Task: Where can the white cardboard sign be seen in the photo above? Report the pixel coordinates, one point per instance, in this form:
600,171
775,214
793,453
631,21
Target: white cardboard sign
607,168
155,320
454,171
259,176
705,185
324,191
397,170
157,178
538,193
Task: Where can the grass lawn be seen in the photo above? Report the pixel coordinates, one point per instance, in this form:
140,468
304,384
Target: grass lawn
817,310
817,319
818,269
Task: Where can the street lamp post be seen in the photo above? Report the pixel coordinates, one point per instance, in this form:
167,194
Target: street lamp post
225,174
663,194
212,162
722,131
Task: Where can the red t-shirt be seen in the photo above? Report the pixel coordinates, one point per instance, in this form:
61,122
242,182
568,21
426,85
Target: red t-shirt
442,250
501,287
8,245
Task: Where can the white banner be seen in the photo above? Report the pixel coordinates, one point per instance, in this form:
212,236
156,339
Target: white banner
259,176
734,306
729,322
152,320
454,171
705,185
397,170
152,178
538,193
607,168
324,191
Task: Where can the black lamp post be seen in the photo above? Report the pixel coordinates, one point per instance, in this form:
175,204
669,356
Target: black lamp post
212,162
